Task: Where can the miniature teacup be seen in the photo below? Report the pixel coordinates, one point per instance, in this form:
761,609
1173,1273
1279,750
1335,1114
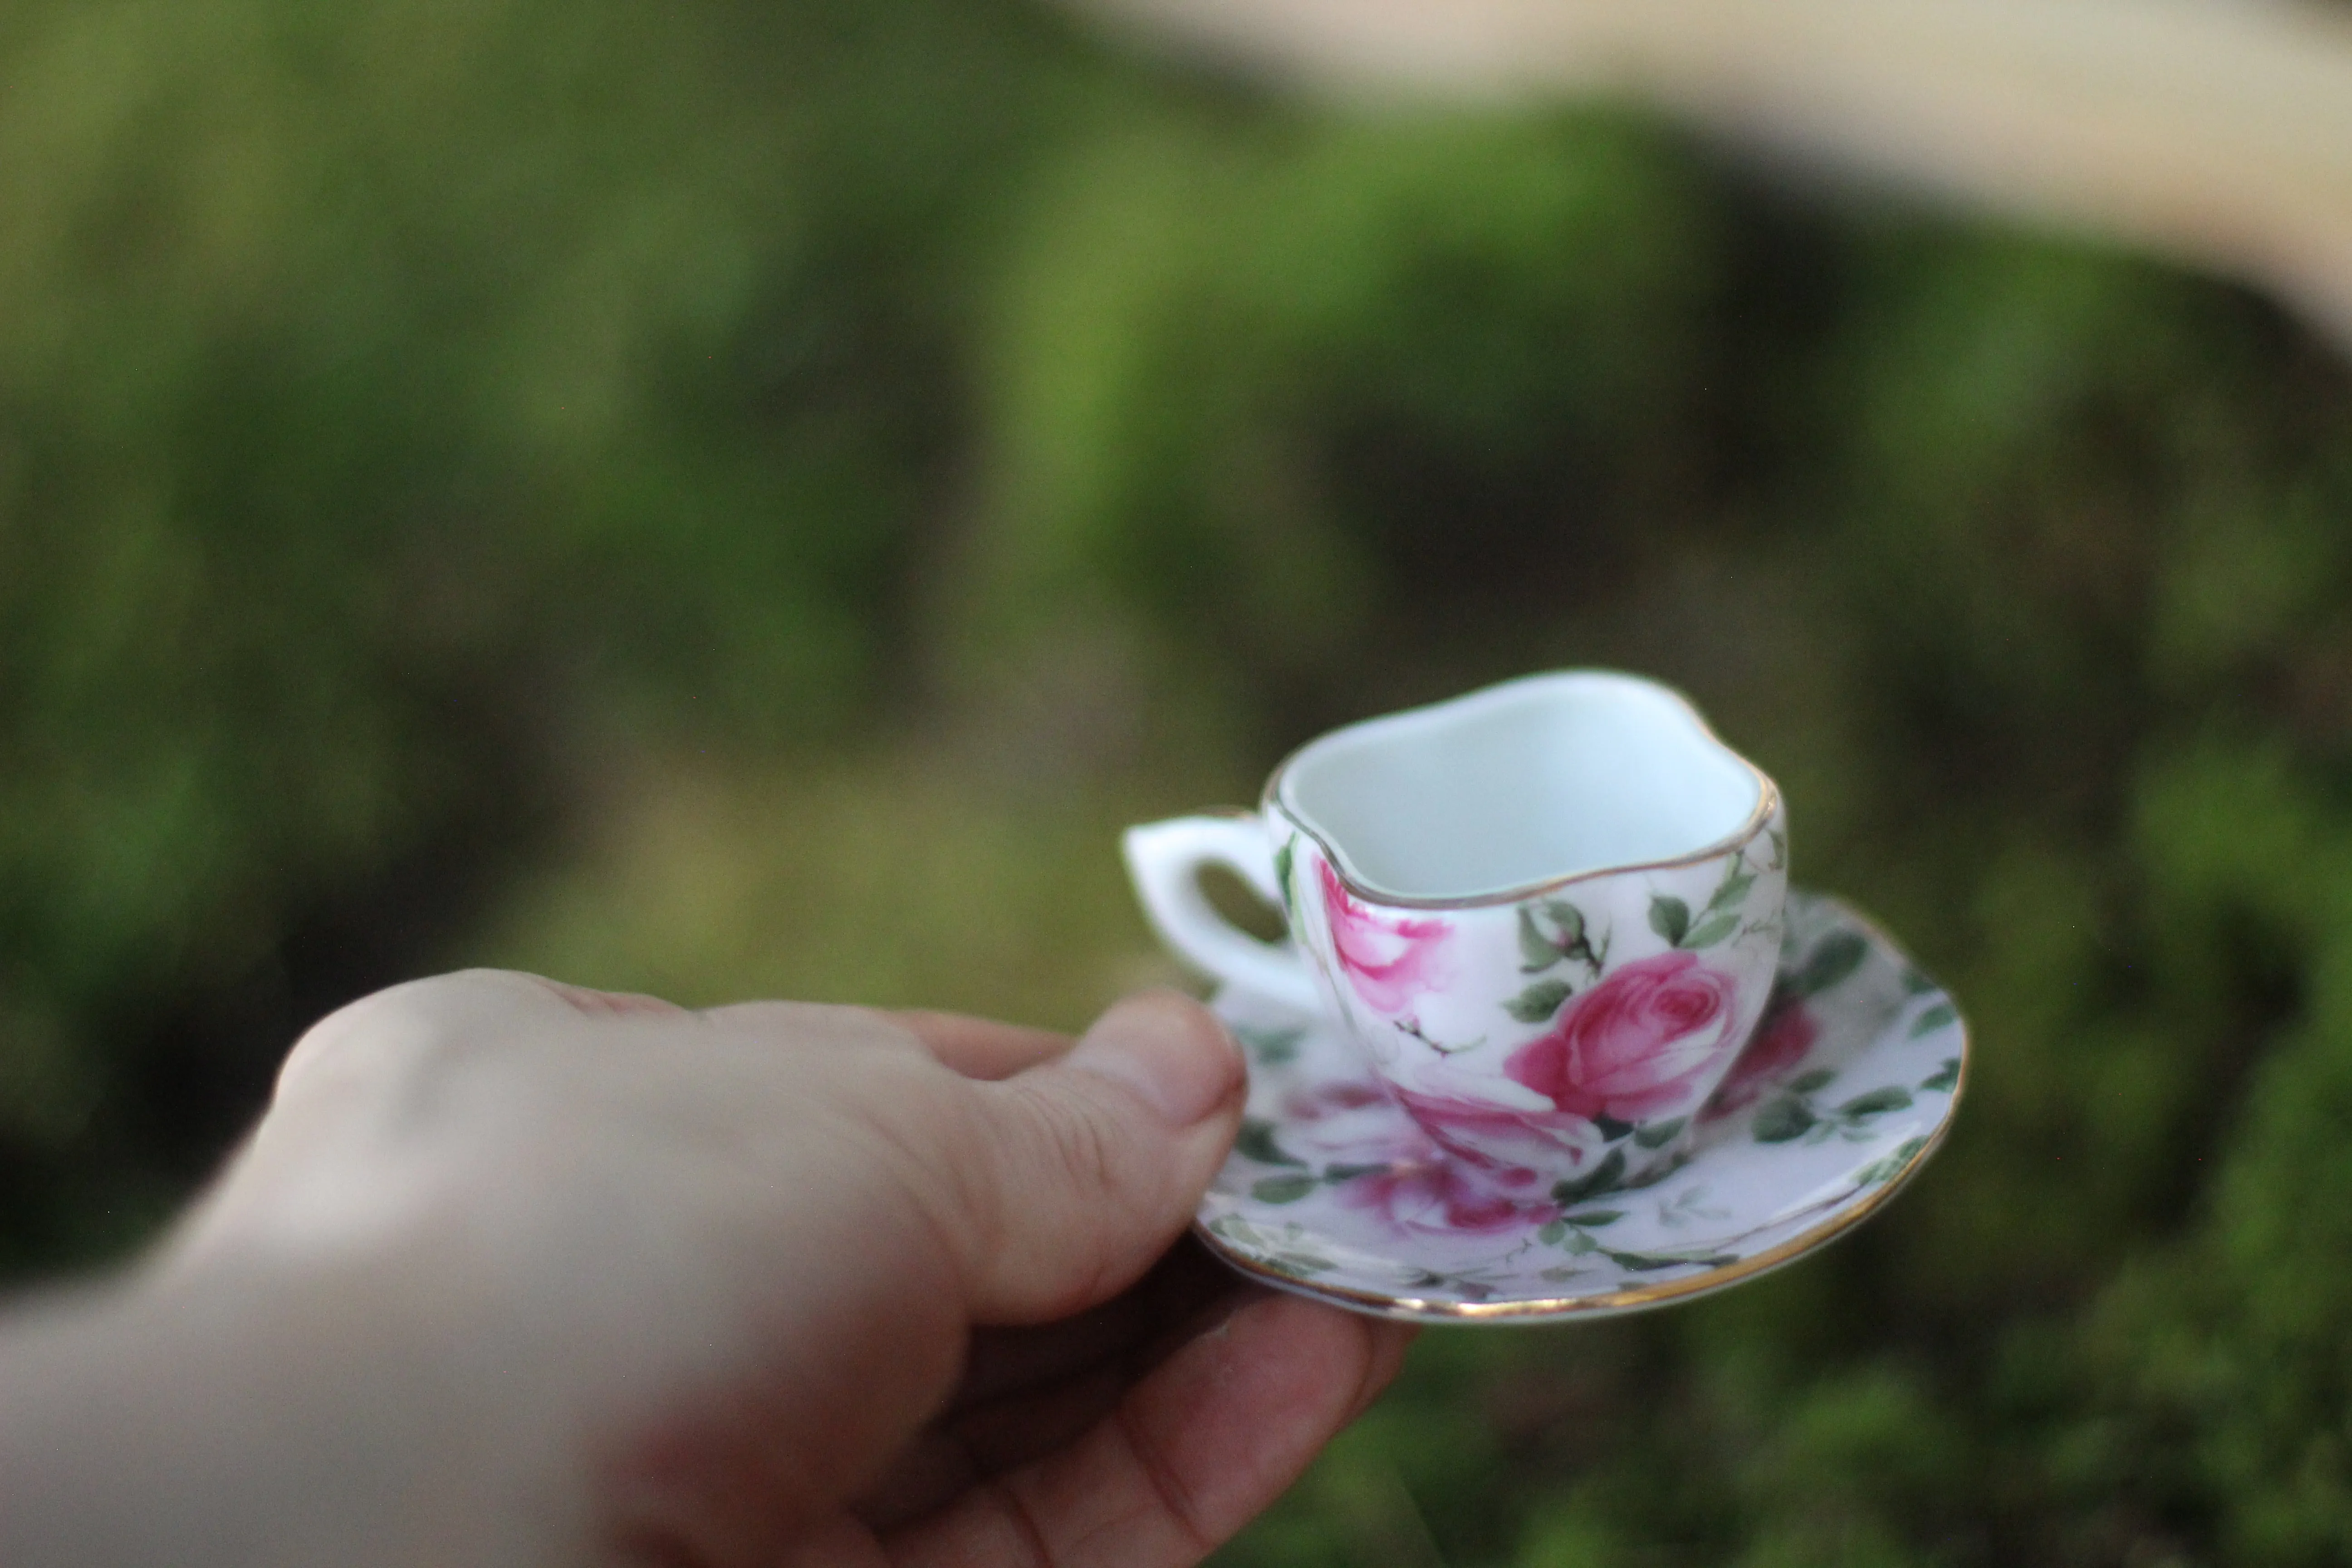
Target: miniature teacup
1547,912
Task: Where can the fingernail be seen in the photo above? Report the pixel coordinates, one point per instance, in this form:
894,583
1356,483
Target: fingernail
1173,1053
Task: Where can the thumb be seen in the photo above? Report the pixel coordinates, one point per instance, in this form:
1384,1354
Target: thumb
1082,1171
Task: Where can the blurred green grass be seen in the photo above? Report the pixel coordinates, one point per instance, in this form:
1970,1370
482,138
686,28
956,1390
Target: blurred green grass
732,499
876,879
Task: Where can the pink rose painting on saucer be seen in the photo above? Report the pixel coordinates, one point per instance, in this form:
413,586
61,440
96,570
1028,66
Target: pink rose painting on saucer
1474,1126
1433,1194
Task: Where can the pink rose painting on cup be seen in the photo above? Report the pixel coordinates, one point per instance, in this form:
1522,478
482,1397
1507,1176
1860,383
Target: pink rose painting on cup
1640,1042
1388,959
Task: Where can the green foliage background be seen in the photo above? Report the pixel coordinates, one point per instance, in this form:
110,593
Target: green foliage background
725,499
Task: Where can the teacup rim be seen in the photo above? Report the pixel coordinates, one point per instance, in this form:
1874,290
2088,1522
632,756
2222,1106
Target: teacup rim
1768,803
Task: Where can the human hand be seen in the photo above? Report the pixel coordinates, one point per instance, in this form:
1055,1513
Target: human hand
521,1273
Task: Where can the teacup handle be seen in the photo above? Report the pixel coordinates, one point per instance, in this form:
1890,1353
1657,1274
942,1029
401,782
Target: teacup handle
1164,861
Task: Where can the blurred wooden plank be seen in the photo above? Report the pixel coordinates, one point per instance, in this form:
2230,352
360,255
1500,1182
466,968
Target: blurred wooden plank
2219,131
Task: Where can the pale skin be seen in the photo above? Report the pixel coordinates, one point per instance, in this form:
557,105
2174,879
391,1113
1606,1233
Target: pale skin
516,1273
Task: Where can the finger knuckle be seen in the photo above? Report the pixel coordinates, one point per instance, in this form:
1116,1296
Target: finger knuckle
418,1027
1080,1145
938,1162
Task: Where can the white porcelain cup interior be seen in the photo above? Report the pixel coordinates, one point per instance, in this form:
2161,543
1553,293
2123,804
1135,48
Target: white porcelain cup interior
1541,779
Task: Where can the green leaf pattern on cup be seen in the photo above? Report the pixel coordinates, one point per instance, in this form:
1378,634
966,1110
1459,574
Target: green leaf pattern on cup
1554,930
1718,920
1670,918
1539,1002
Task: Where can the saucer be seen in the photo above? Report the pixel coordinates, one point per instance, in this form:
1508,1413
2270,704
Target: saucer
1845,1088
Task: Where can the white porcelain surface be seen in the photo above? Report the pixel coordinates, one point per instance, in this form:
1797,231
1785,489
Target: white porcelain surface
1537,779
1846,1088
